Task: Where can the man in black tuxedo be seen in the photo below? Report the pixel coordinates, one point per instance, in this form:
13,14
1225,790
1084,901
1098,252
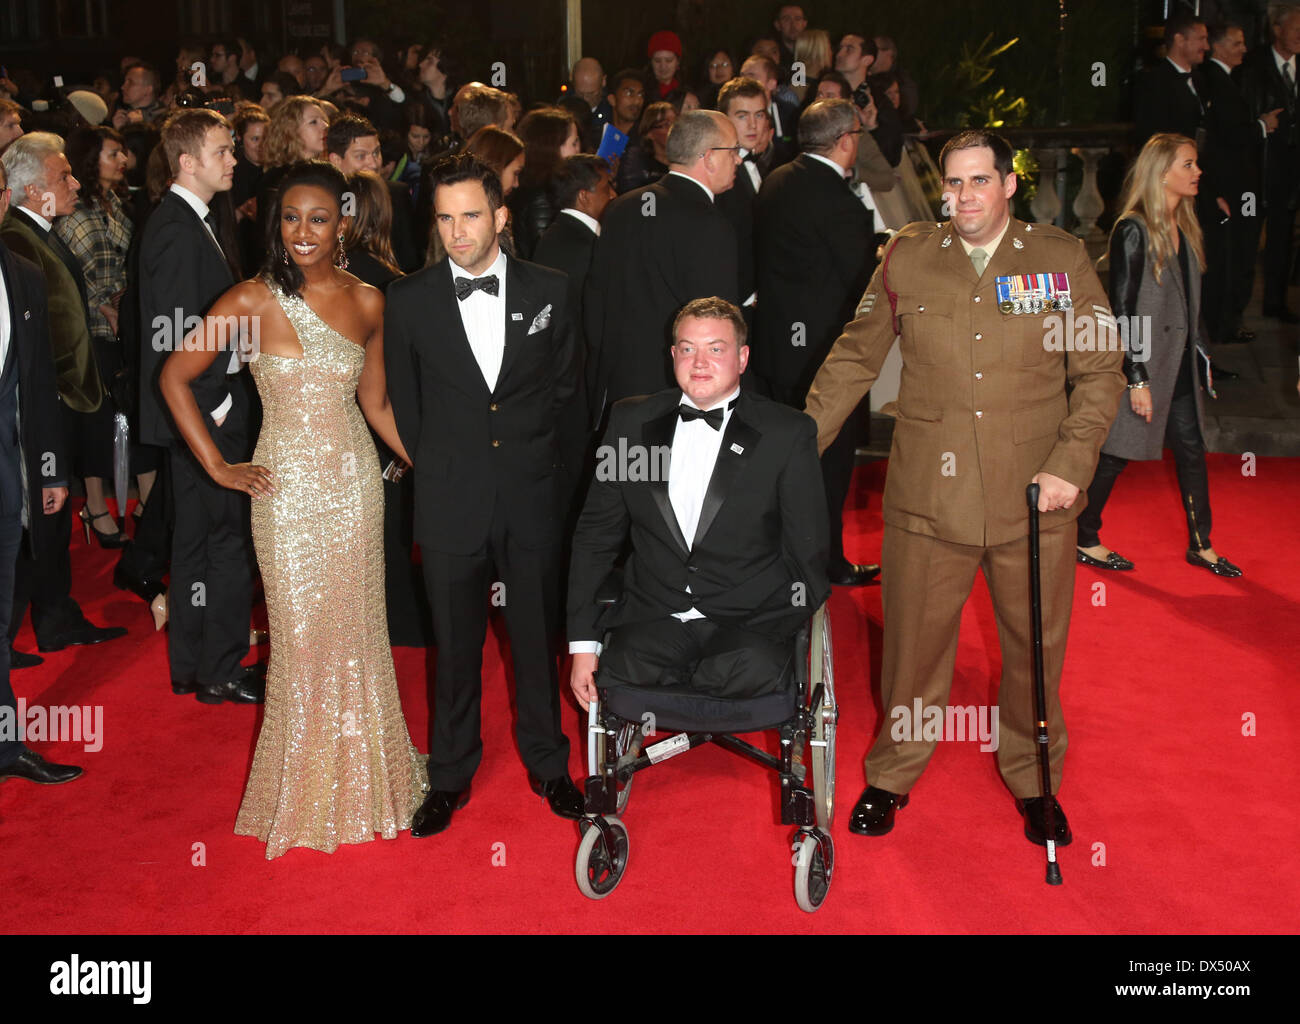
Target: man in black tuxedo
479,350
1268,77
42,188
352,145
659,247
33,481
1165,98
1230,189
744,101
583,190
183,270
728,546
782,114
816,254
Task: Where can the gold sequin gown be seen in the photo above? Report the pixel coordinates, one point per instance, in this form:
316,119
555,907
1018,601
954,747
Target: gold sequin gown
334,760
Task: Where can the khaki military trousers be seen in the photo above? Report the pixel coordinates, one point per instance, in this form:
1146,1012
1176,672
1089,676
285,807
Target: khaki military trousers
925,584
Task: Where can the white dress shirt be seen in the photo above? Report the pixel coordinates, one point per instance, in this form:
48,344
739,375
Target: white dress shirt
693,455
484,319
201,208
44,224
6,330
1288,63
591,222
751,169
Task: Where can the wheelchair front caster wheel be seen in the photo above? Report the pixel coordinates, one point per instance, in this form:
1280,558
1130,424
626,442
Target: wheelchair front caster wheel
602,858
812,871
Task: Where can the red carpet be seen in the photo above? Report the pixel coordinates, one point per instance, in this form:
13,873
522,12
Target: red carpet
1181,823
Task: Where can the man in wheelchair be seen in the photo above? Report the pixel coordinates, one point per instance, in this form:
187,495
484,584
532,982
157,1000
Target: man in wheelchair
720,492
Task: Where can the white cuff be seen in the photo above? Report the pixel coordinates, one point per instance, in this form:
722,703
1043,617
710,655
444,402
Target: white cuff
222,409
752,300
395,93
585,647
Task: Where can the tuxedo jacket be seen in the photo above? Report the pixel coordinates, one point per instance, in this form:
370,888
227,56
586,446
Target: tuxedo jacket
659,247
737,205
815,250
474,449
1233,139
181,267
758,557
1265,90
31,433
1163,103
77,371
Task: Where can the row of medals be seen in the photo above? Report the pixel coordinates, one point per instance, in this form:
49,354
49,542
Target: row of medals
1035,304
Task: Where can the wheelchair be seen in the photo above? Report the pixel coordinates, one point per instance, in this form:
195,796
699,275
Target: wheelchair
804,713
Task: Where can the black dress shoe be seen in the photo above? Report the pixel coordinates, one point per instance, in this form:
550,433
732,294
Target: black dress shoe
1114,561
31,766
1221,374
21,659
249,687
144,588
181,687
1035,829
850,575
563,796
873,814
79,635
1220,568
435,813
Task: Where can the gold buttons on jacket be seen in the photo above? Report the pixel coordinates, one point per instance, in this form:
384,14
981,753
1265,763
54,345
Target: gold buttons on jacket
493,407
978,337
920,309
496,444
979,414
977,298
979,376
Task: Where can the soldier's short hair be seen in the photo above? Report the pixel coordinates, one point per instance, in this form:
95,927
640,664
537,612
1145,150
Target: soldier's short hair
713,308
692,133
823,122
1003,155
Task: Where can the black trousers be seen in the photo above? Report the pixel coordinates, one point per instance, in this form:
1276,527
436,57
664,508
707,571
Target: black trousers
1229,279
1279,226
210,595
10,537
150,551
715,660
1183,435
462,589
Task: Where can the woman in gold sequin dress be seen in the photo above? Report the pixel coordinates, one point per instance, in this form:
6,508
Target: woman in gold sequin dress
334,760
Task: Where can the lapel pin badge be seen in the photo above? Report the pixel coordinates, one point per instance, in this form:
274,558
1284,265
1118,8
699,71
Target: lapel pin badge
516,316
27,314
1017,243
737,449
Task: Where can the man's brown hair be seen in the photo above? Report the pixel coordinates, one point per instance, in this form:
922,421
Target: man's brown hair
737,87
185,131
713,308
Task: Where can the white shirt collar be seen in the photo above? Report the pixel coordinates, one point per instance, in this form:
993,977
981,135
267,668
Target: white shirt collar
1181,70
988,247
195,203
1227,70
38,218
687,400
1281,61
498,267
707,191
584,218
829,163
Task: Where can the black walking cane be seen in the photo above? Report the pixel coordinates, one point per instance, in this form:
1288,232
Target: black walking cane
1040,690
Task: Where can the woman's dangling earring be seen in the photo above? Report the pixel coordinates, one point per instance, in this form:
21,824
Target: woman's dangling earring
284,255
341,260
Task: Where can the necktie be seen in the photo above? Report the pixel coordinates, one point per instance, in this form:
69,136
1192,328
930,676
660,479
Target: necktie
1289,78
465,286
211,221
979,259
713,417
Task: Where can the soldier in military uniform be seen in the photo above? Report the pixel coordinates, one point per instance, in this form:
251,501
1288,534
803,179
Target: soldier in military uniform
996,316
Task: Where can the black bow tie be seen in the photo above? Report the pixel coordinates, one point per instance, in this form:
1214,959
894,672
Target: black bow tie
713,417
750,158
465,286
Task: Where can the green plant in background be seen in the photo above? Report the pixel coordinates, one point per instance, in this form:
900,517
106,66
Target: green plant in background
973,102
1026,169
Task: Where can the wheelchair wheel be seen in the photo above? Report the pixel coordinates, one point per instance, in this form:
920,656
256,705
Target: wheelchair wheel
601,861
824,711
812,876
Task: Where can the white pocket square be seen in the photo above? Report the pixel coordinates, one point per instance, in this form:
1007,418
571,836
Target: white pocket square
542,320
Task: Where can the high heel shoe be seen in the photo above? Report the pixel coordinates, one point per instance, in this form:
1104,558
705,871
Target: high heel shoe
116,539
159,608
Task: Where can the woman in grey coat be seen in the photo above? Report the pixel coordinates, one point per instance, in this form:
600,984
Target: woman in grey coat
1156,260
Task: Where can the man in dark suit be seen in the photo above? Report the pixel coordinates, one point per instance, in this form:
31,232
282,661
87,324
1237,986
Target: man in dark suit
744,101
352,145
33,481
183,270
42,187
783,115
1268,77
583,189
1165,98
659,247
816,253
1228,203
855,59
728,546
479,350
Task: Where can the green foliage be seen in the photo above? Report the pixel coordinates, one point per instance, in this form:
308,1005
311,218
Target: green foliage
968,96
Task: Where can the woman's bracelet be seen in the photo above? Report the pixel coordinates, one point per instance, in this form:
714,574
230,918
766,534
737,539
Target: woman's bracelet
1139,387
